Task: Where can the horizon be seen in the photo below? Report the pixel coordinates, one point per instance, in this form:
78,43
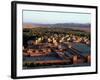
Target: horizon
53,23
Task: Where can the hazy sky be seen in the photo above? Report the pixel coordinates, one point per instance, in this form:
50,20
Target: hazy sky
42,17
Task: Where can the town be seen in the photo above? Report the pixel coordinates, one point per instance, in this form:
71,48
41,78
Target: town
44,47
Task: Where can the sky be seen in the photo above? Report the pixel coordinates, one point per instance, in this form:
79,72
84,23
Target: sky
44,17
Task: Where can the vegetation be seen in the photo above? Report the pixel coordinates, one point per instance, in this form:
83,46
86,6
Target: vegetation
35,33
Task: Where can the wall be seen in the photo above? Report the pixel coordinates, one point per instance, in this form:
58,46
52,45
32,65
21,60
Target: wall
5,40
